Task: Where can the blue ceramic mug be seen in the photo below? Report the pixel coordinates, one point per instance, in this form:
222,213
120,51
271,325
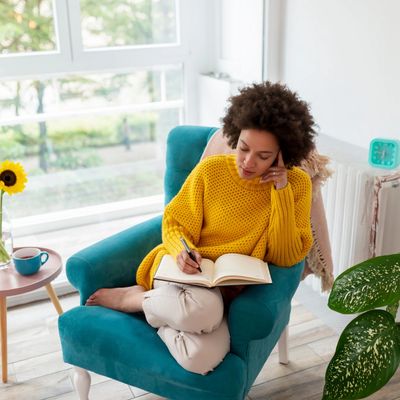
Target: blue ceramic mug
28,260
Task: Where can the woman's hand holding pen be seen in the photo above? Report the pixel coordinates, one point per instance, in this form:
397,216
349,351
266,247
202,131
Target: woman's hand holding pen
186,264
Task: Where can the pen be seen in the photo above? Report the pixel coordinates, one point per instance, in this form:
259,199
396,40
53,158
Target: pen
189,251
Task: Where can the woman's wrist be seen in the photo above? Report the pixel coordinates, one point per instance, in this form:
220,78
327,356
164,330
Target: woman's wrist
280,186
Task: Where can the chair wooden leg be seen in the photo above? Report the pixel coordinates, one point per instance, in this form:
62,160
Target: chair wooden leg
283,346
53,297
82,383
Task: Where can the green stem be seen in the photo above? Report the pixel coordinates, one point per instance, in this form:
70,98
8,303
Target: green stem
3,253
4,256
1,214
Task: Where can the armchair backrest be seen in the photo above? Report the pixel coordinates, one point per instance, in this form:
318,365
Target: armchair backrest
185,145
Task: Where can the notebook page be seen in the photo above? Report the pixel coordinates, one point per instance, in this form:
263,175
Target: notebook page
241,266
169,270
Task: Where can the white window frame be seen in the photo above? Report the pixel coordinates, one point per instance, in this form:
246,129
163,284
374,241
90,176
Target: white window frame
195,22
70,57
194,50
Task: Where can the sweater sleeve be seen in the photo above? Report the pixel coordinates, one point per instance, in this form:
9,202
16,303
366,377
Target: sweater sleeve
183,216
289,232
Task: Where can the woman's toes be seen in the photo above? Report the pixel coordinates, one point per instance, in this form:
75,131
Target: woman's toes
91,300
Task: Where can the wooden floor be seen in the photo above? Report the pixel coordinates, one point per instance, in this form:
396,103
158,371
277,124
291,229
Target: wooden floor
37,372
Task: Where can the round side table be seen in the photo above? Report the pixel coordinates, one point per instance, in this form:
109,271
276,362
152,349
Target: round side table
12,283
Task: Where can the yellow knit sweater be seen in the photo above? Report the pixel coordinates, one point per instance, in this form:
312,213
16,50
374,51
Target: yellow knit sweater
218,212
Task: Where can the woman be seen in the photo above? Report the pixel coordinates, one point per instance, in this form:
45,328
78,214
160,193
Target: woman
254,202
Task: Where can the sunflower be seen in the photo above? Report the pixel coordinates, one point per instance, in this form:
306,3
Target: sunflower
12,177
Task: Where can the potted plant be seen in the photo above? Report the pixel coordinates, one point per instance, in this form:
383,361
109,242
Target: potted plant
368,352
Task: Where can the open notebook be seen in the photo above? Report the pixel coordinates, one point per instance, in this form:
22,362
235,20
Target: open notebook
228,269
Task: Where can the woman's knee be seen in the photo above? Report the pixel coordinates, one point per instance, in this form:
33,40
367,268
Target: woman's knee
198,365
202,309
203,361
198,353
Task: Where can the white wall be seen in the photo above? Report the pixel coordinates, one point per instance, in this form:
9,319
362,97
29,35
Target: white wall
198,33
237,52
343,56
239,39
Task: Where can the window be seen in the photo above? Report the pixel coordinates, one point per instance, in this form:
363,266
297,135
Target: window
132,22
89,132
88,92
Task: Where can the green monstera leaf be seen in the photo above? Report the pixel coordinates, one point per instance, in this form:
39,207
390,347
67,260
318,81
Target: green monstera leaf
366,357
368,285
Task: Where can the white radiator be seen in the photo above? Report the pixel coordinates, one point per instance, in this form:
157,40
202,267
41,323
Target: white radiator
356,233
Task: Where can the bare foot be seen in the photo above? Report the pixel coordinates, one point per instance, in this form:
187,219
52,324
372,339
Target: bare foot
126,299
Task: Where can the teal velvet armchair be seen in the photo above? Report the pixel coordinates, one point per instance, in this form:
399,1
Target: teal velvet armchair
125,348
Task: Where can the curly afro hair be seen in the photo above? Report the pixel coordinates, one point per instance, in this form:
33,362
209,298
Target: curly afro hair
272,107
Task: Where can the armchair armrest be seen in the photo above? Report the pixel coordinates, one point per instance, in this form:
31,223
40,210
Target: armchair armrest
113,261
253,314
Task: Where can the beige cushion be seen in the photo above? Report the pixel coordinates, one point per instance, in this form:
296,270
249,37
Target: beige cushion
319,259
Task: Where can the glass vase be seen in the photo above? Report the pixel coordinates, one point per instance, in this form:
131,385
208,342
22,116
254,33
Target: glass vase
6,240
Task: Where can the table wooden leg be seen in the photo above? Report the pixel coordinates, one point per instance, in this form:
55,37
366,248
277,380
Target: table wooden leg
3,323
54,298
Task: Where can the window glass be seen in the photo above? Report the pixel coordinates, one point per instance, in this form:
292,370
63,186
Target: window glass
88,139
174,84
77,93
111,23
26,26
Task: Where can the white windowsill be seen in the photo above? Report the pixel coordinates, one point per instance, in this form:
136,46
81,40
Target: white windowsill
86,215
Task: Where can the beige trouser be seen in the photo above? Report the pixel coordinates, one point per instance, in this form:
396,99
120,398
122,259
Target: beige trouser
190,321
